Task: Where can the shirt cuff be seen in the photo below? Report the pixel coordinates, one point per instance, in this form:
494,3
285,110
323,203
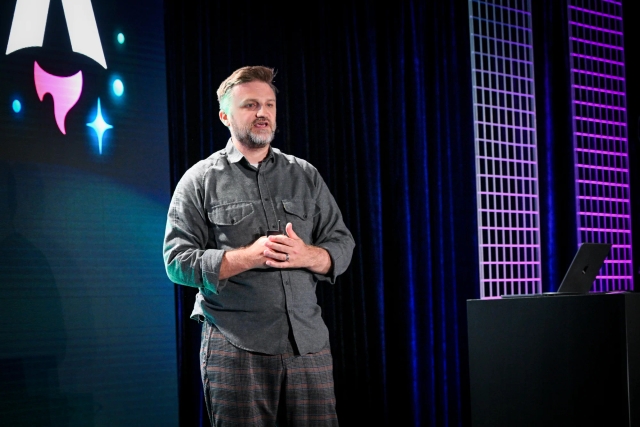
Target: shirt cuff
337,267
211,262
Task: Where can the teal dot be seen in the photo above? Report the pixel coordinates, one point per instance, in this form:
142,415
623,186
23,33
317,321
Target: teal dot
17,106
118,87
120,38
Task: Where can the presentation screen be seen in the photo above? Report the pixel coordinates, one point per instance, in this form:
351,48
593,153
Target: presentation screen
87,315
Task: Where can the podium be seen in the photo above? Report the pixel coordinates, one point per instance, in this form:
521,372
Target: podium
561,360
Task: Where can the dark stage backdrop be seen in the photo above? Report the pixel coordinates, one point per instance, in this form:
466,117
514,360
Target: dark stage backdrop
378,97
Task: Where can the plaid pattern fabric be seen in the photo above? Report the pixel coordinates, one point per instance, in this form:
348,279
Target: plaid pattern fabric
243,388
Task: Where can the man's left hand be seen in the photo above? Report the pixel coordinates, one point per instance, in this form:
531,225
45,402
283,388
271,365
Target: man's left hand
290,251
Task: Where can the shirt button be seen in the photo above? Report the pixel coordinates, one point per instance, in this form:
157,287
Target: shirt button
290,311
266,199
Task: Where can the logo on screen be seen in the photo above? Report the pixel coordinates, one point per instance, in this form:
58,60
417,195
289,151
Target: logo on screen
28,29
30,21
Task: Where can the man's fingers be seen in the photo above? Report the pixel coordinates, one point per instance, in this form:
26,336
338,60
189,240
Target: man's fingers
290,232
278,256
277,245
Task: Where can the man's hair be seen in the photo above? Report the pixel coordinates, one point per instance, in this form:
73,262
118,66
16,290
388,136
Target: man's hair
244,75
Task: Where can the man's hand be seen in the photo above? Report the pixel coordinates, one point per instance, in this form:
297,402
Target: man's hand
247,258
290,251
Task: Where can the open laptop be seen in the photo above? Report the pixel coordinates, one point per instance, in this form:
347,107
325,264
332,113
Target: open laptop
582,272
584,268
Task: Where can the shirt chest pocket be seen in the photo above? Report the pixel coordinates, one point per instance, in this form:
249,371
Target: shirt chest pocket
301,214
233,224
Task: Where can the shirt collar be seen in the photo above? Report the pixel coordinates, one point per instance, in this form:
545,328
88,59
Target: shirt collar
234,155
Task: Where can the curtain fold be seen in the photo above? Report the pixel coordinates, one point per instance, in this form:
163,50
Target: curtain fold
378,98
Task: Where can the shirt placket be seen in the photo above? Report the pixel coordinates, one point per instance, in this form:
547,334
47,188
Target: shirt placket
269,206
268,203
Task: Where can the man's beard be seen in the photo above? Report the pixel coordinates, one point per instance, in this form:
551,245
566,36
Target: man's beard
251,140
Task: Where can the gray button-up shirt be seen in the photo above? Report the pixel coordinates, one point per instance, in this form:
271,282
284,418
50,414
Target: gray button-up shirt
224,203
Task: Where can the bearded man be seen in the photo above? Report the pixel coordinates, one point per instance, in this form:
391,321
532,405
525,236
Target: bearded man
265,355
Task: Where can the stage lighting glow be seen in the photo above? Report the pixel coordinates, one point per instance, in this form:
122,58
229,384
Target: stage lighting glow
120,38
118,87
17,106
600,143
506,149
100,126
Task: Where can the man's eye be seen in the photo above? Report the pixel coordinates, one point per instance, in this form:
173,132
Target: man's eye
250,105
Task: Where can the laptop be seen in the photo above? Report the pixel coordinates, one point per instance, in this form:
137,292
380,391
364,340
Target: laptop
584,268
582,272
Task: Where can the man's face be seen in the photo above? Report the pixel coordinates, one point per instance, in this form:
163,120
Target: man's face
251,115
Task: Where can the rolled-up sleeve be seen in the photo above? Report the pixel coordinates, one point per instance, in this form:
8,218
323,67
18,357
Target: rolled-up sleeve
188,261
330,232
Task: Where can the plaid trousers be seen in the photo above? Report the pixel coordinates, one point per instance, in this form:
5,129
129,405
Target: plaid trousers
243,388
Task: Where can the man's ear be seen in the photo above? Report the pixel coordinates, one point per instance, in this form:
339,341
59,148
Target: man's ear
223,118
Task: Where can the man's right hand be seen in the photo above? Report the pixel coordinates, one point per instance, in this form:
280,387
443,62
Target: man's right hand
246,258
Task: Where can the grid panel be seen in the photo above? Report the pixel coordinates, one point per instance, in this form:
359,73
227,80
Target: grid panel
600,135
505,144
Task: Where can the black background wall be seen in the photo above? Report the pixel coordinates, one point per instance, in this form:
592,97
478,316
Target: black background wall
378,97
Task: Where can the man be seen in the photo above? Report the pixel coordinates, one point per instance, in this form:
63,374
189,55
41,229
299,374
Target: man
265,349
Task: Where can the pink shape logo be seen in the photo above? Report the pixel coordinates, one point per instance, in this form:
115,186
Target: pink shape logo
65,92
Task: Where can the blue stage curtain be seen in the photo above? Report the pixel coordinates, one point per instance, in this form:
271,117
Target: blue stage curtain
378,97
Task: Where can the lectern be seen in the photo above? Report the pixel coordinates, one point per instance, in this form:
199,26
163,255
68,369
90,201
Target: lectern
555,360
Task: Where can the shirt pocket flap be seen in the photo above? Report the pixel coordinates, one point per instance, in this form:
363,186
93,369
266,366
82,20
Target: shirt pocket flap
302,208
230,214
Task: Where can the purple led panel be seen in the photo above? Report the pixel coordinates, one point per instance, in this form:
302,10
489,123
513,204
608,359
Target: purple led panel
600,135
505,144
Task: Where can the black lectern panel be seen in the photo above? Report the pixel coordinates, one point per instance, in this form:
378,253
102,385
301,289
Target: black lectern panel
555,360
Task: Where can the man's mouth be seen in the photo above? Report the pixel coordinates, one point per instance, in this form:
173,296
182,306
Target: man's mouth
261,125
